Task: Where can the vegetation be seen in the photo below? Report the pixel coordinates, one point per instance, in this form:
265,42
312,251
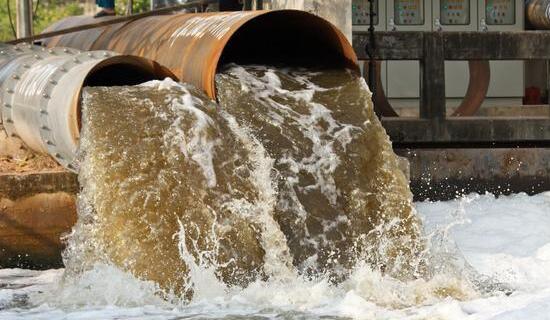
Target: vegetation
50,11
137,6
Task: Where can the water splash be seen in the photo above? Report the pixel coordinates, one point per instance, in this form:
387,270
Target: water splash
341,195
288,188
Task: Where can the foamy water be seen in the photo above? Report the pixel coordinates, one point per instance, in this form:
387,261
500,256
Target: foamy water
290,178
505,238
284,201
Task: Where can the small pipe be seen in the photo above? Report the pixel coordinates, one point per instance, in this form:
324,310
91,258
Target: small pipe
538,14
24,18
40,92
480,77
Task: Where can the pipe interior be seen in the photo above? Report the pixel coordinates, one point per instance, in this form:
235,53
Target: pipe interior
287,39
119,74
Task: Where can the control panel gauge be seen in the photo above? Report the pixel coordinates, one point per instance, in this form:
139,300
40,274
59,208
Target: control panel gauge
455,12
500,12
409,12
360,11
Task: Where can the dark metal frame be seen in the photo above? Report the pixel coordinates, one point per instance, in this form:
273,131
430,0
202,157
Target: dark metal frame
431,49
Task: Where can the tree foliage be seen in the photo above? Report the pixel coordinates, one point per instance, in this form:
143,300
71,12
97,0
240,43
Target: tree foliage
137,6
47,12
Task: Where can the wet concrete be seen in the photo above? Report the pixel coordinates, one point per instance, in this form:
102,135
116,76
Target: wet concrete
442,174
36,209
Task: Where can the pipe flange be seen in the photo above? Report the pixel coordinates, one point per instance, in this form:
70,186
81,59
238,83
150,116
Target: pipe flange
27,55
31,53
59,51
46,135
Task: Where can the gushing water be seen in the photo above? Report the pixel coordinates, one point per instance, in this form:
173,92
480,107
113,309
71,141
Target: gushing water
289,184
342,197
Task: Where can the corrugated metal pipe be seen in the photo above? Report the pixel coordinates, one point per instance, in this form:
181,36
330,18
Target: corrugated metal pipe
40,92
195,45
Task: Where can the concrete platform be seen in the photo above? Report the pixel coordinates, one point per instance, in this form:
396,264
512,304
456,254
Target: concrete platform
442,174
36,209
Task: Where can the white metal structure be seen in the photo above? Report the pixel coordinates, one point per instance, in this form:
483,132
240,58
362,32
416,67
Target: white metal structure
507,77
406,15
455,15
401,79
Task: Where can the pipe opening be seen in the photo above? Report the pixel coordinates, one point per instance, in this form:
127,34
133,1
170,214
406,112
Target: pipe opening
120,74
121,71
289,38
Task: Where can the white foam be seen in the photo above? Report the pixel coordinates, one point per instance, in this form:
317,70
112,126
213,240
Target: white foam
277,259
199,145
485,224
324,160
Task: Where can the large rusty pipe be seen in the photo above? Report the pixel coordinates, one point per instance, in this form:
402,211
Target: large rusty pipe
194,46
40,92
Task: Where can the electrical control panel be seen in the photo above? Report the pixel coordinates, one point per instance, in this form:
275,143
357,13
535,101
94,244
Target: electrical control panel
500,12
409,12
455,12
360,10
403,77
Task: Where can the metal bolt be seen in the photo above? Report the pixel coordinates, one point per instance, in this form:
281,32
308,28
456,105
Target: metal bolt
50,143
57,155
15,77
65,50
9,120
2,52
7,105
62,69
51,51
44,128
43,111
10,90
90,54
26,66
37,57
14,135
52,81
76,60
106,54
46,96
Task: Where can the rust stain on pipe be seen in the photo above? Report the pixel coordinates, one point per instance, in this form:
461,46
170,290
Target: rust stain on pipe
195,45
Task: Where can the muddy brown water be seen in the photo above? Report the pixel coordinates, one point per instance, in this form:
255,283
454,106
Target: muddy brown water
291,173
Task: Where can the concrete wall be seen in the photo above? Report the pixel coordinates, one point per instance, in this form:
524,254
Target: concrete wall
36,210
336,11
441,174
37,206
